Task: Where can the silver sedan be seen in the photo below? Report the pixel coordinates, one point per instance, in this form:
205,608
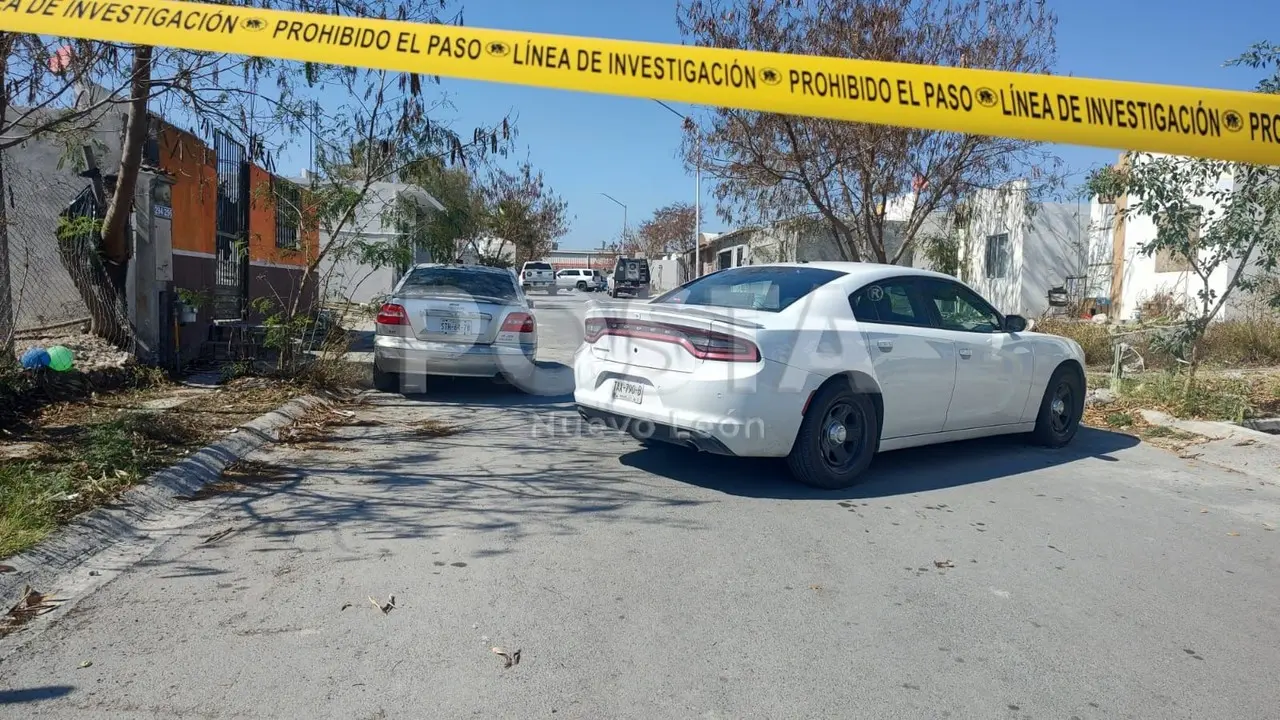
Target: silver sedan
453,320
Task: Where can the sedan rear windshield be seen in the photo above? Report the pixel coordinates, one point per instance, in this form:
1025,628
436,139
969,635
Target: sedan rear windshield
772,289
537,266
461,282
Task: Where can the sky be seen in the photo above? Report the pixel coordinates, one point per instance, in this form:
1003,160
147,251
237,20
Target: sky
587,145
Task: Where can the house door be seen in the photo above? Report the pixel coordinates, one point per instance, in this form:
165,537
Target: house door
231,269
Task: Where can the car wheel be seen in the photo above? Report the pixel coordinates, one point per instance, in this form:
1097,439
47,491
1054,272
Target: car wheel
837,440
524,288
1060,409
582,286
613,294
387,382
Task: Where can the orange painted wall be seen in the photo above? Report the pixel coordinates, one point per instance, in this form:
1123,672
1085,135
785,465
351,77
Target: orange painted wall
191,164
262,226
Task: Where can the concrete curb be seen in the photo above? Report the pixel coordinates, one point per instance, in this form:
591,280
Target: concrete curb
1211,429
72,545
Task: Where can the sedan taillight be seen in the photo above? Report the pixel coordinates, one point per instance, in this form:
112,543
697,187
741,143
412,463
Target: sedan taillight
392,314
702,344
518,322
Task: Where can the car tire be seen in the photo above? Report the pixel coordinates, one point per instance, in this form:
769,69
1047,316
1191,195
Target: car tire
613,294
524,288
387,382
1061,409
816,459
582,286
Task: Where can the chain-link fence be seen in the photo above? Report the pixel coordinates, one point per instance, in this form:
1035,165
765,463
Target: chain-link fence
55,288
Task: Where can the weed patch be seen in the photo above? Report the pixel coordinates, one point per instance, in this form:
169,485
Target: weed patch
80,468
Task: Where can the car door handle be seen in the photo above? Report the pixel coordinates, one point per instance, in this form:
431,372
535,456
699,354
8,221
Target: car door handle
966,353
885,345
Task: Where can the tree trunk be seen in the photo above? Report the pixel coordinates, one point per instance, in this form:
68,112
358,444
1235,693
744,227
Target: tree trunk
115,243
7,324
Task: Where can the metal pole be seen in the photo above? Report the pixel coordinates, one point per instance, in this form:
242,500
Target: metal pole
697,211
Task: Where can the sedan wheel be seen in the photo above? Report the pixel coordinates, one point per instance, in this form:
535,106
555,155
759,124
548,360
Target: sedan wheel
1060,409
837,440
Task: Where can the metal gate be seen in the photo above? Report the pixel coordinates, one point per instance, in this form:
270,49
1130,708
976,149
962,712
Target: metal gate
231,273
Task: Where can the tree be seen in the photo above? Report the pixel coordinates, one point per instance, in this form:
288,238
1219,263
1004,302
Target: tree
769,167
669,230
1210,214
524,211
463,217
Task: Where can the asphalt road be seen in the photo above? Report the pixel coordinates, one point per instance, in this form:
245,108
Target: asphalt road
977,580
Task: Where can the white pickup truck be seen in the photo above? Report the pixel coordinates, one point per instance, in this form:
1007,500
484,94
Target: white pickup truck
538,276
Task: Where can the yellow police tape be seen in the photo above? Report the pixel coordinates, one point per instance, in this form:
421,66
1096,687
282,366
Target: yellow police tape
1219,124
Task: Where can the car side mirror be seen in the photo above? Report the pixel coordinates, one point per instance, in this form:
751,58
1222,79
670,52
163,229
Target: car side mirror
1015,324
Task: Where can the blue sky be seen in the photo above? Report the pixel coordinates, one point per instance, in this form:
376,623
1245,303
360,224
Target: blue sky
589,144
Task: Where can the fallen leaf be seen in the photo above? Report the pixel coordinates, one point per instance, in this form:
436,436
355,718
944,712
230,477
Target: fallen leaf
385,608
1249,441
508,658
346,605
1233,534
7,569
86,663
943,564
218,536
1265,526
1204,510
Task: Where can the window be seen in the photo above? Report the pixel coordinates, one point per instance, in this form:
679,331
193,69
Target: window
772,289
288,213
460,281
961,309
537,266
889,302
998,261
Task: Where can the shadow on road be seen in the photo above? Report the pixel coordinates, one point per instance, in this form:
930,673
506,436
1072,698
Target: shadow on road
901,472
36,694
550,384
360,341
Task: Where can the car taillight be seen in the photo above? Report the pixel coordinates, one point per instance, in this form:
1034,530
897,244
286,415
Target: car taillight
518,323
717,346
702,344
392,314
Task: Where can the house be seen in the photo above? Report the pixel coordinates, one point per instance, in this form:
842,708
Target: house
798,240
205,226
1136,279
1015,250
354,268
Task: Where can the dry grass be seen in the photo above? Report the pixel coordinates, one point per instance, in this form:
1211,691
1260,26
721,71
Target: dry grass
77,467
1227,344
434,429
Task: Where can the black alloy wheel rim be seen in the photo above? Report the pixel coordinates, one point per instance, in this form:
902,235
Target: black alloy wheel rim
842,436
1060,408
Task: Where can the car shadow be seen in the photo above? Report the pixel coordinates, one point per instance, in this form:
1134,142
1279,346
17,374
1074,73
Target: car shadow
360,340
901,472
551,384
35,694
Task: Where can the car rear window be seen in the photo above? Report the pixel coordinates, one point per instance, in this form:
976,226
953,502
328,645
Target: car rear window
772,289
537,266
459,281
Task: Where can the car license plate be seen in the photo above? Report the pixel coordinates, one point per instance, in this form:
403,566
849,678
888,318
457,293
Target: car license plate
629,391
455,327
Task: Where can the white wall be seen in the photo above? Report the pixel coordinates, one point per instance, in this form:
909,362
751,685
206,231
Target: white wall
1048,242
1141,281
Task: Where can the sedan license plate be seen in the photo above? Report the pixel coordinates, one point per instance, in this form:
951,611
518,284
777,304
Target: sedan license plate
629,391
455,327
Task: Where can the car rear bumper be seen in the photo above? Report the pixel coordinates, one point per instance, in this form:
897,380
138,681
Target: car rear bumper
743,409
410,356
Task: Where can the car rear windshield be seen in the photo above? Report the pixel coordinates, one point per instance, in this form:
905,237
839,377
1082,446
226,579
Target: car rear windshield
537,266
460,281
772,289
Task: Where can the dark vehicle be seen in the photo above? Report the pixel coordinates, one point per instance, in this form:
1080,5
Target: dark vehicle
630,277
